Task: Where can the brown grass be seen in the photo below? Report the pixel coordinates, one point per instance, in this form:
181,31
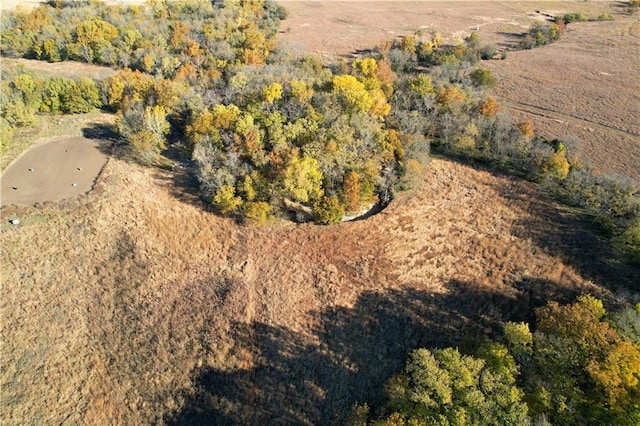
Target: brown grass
134,305
131,305
585,85
68,69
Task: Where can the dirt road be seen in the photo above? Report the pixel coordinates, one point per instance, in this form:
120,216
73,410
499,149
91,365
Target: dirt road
53,171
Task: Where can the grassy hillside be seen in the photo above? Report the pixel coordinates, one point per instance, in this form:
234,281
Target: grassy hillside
134,305
138,304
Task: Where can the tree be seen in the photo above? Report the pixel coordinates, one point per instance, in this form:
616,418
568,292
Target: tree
145,129
489,107
556,165
482,78
272,92
226,200
351,192
328,211
81,97
450,97
445,387
91,36
257,211
352,92
583,371
303,179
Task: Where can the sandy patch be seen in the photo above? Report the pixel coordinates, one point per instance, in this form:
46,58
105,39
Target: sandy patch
53,171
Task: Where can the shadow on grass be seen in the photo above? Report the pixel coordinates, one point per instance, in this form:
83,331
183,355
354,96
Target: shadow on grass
316,378
562,232
101,131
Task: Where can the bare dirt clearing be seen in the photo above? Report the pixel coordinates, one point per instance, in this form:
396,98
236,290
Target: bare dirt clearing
59,169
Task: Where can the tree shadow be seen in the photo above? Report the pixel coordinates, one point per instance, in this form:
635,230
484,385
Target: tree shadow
105,135
565,233
317,377
512,39
101,131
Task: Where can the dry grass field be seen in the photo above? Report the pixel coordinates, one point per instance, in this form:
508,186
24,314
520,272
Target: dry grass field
133,304
585,86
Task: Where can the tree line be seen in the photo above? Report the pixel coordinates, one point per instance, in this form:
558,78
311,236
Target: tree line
580,366
272,134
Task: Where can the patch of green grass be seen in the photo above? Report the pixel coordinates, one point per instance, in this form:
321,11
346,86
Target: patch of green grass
48,127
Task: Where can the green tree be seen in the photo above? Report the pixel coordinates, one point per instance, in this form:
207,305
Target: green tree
303,179
445,387
482,78
328,211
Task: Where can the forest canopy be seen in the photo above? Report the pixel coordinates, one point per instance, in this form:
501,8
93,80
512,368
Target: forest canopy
273,134
580,366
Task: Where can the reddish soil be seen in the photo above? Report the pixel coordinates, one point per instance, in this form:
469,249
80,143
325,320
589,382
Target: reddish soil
56,170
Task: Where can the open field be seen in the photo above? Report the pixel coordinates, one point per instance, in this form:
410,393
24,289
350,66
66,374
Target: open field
133,304
585,85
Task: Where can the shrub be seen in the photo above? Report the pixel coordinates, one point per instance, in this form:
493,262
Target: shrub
572,17
629,242
488,52
482,77
328,211
557,165
351,189
226,200
257,211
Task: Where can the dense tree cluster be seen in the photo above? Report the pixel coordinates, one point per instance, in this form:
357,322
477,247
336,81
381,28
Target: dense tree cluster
272,134
23,94
295,135
580,366
162,37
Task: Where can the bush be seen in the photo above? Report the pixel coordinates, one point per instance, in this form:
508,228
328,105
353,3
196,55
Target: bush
488,52
257,211
572,17
482,77
328,211
629,242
